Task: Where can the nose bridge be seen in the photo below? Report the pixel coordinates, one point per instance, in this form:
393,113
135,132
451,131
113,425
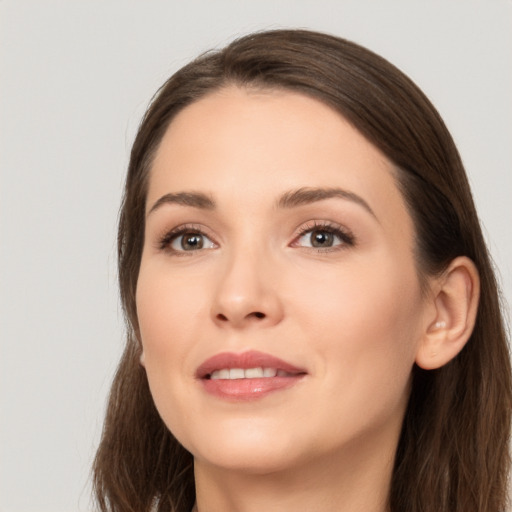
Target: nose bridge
246,291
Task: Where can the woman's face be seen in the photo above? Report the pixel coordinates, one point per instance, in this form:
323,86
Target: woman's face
278,249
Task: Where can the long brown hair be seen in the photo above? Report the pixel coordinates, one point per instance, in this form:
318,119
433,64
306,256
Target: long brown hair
453,450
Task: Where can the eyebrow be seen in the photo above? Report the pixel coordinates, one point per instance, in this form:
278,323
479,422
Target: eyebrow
291,199
193,199
306,195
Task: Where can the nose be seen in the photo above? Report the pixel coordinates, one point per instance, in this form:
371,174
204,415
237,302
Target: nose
247,293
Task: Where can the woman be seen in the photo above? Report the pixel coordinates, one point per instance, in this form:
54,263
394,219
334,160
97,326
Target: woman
313,319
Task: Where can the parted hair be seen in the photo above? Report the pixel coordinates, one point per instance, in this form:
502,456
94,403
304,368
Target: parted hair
453,453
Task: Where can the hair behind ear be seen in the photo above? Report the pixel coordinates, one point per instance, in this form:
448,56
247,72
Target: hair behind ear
453,451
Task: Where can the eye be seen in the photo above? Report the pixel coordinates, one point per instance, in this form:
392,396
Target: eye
186,240
191,242
319,238
324,237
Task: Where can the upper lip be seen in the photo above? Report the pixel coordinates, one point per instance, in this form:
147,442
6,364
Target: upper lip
250,359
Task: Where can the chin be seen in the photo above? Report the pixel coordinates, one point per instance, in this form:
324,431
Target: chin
249,449
247,460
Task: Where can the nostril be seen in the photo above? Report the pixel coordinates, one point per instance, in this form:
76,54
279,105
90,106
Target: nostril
256,314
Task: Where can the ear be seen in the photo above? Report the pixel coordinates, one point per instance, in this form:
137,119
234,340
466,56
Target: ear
142,357
455,300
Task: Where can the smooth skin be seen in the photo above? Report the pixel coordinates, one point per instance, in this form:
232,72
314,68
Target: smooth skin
329,284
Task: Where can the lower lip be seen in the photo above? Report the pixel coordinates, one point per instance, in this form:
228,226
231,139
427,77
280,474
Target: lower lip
248,389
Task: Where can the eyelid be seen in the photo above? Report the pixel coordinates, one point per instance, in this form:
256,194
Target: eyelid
164,241
346,235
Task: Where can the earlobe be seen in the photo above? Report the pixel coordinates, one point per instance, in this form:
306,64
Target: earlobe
455,299
142,357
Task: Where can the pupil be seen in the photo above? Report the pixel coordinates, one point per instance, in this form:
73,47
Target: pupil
192,241
321,239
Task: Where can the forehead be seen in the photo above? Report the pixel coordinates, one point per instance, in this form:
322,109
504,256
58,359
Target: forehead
253,145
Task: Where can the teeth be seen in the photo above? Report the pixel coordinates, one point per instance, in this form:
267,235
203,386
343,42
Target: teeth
269,372
223,374
253,373
236,373
249,373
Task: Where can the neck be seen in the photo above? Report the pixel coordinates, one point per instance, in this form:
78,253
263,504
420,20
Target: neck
332,483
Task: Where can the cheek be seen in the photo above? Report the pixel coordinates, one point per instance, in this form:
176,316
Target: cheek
168,312
166,309
380,297
367,326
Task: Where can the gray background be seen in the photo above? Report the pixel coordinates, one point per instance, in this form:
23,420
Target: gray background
75,78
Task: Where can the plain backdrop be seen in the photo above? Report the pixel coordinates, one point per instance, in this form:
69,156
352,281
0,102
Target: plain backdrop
75,78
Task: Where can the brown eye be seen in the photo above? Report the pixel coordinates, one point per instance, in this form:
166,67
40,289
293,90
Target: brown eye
325,236
191,241
320,238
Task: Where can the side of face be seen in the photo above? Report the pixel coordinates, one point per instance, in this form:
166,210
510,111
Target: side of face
273,226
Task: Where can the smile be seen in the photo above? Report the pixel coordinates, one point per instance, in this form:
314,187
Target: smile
249,373
247,376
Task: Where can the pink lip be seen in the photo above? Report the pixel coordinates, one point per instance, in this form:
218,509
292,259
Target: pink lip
251,359
247,389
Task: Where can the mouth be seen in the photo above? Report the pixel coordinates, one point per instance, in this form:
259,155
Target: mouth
249,373
247,376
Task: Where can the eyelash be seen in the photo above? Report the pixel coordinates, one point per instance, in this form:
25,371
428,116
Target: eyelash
345,236
166,240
